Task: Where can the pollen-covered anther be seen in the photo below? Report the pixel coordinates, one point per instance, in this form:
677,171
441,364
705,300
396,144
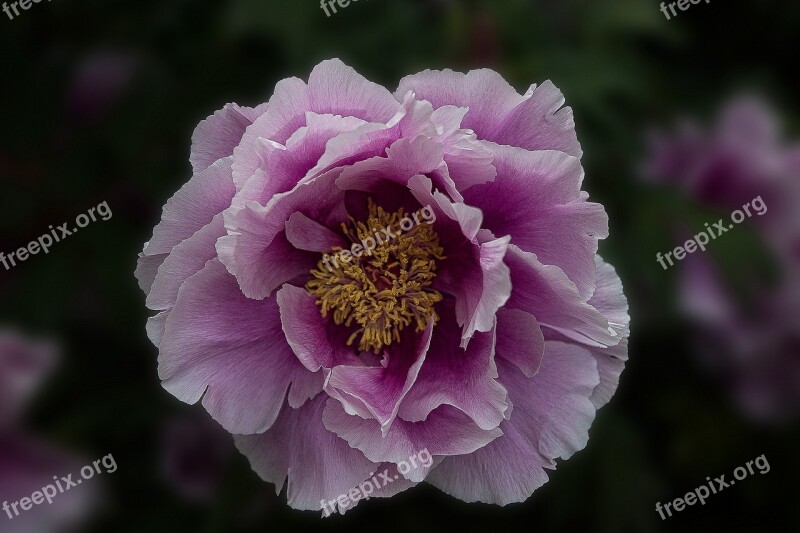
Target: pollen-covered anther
384,284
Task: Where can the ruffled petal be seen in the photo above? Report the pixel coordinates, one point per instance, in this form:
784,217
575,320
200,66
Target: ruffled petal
378,391
536,199
319,465
535,121
219,343
256,249
551,419
217,136
287,109
194,206
545,292
314,341
186,259
464,379
474,271
611,302
520,340
447,431
281,168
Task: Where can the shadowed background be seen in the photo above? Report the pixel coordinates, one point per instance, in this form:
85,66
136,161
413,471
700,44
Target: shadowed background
98,103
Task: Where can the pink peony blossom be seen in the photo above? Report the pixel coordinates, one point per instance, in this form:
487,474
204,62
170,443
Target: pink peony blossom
754,346
488,333
28,464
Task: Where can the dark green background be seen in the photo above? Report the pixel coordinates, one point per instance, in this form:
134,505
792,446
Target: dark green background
622,67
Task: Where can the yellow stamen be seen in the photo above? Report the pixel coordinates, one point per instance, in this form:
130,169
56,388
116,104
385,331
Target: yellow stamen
386,290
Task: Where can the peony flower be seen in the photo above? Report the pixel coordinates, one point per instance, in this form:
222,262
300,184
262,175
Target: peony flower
27,464
194,453
24,363
352,277
742,156
752,345
755,347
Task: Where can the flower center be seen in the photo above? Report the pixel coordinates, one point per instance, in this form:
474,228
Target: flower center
382,283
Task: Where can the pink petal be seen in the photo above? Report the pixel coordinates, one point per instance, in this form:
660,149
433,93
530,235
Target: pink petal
536,199
464,379
281,168
611,302
551,419
378,391
194,206
319,465
186,259
256,249
219,343
316,343
310,235
546,293
520,340
497,112
217,136
447,431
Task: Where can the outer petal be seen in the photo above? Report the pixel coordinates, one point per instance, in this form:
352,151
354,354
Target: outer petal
232,349
192,207
546,293
319,465
610,300
217,136
536,199
497,112
287,109
207,194
541,123
484,92
382,488
447,431
551,419
186,259
338,89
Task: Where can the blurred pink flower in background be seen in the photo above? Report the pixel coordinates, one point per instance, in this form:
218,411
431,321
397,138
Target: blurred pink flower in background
24,364
754,346
741,157
28,464
195,451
